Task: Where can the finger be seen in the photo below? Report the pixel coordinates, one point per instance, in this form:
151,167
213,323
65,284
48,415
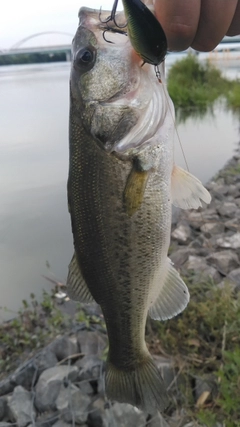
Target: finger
215,19
179,19
234,28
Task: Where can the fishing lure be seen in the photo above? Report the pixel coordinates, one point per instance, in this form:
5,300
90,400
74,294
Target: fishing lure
144,30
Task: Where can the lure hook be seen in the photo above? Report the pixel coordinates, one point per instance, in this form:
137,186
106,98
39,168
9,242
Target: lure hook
112,16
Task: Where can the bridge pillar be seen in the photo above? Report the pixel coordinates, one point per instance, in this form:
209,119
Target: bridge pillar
68,56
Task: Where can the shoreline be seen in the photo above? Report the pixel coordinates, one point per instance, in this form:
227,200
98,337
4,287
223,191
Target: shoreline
67,363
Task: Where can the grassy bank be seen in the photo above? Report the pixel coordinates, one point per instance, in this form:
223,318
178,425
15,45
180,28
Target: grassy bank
203,341
195,85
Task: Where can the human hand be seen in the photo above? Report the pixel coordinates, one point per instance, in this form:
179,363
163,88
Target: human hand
201,24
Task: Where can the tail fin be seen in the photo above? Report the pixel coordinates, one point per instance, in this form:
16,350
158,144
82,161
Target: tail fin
142,387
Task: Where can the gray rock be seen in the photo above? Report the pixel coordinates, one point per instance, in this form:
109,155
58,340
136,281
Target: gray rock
206,383
201,269
5,424
90,367
235,276
195,219
64,346
237,201
97,414
77,409
61,423
122,415
232,224
28,373
6,386
85,387
49,383
224,261
210,228
232,242
182,233
228,209
20,407
91,343
157,421
180,257
47,419
3,408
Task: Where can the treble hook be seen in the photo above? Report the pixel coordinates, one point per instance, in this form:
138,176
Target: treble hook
112,16
113,30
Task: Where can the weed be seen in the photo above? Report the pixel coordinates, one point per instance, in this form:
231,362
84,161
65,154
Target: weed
195,86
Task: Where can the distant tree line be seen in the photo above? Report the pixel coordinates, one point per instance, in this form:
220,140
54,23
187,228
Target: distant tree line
32,58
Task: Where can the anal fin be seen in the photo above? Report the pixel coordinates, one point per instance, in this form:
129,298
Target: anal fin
76,286
187,190
173,296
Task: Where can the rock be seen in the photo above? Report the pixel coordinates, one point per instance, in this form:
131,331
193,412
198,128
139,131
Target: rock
210,228
224,261
91,343
49,383
232,224
28,373
235,276
195,219
77,409
227,209
5,424
46,419
232,242
201,269
182,233
61,423
6,386
122,412
64,346
157,421
180,257
85,387
3,408
20,407
206,383
90,367
97,416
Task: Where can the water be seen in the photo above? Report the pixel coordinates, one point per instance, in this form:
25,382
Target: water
34,221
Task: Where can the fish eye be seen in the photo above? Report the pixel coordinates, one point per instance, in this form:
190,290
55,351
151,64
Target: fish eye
85,58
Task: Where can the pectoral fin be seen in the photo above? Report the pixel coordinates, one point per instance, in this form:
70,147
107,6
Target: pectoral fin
173,297
187,190
134,190
76,286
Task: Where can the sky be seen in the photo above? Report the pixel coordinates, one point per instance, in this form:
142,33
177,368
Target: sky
22,18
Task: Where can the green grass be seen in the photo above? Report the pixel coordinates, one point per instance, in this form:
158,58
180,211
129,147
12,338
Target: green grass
205,340
195,86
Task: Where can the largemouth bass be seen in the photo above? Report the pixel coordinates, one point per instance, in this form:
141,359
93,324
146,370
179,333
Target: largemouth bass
122,183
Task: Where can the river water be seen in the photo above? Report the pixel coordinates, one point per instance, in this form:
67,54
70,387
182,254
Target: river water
34,221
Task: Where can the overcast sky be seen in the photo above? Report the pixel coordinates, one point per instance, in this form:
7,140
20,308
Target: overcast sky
21,18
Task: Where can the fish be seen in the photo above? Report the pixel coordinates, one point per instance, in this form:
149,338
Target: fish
121,186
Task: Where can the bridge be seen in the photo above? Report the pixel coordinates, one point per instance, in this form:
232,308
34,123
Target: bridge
228,43
17,48
65,48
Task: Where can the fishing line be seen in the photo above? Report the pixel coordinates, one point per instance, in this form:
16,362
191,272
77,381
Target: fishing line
174,122
158,74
